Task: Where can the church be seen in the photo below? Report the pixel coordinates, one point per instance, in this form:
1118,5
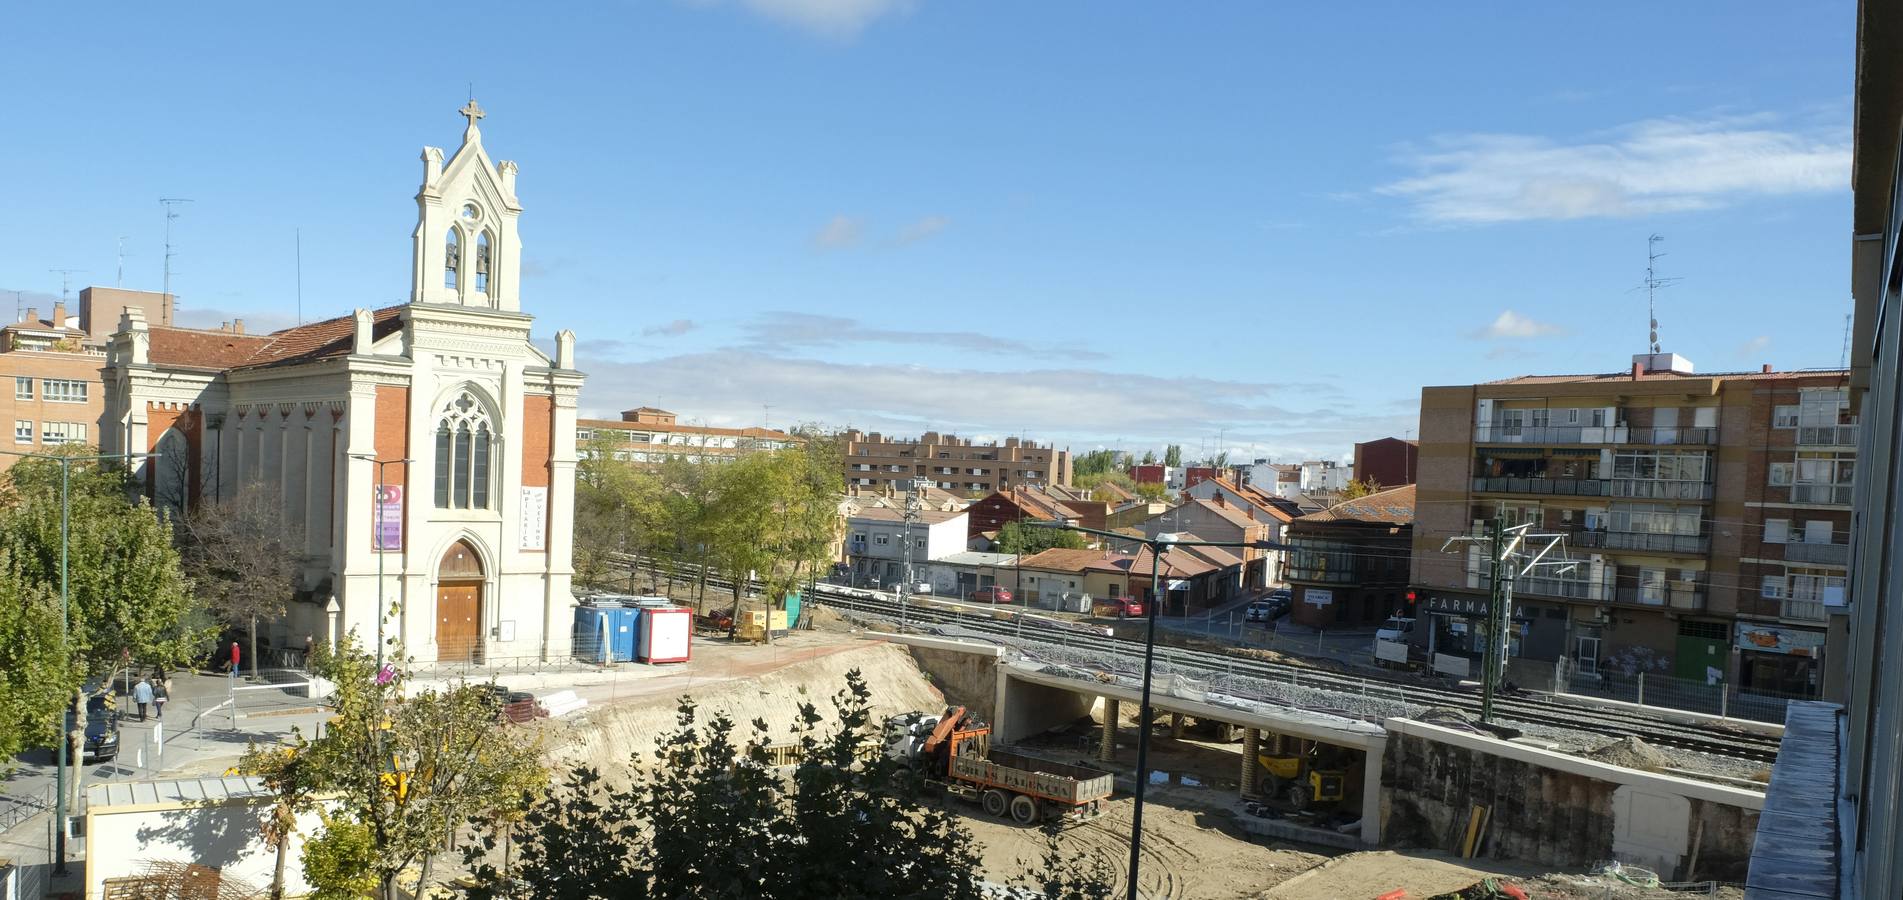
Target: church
427,449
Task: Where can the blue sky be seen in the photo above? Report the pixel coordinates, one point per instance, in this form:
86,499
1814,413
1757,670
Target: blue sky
1250,225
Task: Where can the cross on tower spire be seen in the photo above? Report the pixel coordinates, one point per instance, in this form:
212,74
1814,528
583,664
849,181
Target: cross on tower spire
472,112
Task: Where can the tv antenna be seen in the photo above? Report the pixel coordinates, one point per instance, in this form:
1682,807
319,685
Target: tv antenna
171,212
1652,285
65,282
1843,362
119,279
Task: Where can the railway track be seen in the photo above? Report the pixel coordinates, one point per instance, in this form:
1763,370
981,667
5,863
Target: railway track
1715,740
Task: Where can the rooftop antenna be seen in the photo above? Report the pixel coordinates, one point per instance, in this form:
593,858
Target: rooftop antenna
119,280
171,212
766,416
19,305
1652,285
66,281
1843,362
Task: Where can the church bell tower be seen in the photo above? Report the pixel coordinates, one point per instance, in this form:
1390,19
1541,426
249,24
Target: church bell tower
466,251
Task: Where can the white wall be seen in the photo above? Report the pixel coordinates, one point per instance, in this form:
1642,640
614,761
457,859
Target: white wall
120,844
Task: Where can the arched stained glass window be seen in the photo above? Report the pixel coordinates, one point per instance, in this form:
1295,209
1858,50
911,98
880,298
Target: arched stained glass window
464,443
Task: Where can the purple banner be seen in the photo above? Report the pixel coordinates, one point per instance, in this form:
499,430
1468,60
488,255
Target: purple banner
389,517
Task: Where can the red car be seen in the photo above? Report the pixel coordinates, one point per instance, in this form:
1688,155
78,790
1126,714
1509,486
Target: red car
992,594
1117,607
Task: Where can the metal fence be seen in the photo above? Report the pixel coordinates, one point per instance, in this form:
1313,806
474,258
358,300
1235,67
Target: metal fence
1683,693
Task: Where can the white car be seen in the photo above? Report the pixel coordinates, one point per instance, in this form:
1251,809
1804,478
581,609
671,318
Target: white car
1397,629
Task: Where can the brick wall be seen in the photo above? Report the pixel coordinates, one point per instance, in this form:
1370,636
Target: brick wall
392,427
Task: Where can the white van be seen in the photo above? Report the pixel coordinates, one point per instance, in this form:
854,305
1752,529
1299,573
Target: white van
1397,629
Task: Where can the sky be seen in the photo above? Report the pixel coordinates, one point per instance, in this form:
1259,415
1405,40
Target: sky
1256,227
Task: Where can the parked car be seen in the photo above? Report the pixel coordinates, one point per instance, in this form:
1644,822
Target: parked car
1119,607
1259,611
1283,595
102,730
1396,628
991,594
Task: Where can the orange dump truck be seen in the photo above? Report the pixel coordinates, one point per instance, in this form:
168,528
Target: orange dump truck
954,752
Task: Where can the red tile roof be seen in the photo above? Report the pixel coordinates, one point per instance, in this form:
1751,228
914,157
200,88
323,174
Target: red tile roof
192,348
1394,506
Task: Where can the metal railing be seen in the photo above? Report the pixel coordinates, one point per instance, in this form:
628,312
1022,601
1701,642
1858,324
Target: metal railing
1658,689
1827,435
1829,554
1565,487
1642,541
1673,435
1593,434
1803,610
1833,494
1656,489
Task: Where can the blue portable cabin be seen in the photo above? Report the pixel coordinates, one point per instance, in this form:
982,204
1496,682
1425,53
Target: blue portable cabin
624,631
594,630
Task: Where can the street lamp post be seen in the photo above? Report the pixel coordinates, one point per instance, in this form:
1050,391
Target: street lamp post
376,540
65,538
1157,545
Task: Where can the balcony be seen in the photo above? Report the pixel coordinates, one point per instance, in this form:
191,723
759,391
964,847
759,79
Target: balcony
1827,435
1828,554
1827,494
1592,434
1802,610
1567,588
1652,489
1642,541
1565,487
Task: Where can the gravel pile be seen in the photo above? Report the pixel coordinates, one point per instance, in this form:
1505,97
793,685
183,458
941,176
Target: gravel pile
1631,753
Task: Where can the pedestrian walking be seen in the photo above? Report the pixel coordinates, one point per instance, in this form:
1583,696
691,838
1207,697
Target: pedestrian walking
159,696
142,695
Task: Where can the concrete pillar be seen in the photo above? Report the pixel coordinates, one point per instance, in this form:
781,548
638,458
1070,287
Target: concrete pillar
1176,725
1275,744
1107,746
1371,792
1251,747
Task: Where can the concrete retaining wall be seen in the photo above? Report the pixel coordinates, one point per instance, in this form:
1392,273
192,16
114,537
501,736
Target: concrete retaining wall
967,679
1558,809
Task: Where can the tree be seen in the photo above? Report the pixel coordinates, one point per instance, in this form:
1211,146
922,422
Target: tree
1357,488
410,768
1093,462
1220,461
292,780
128,597
37,677
619,510
244,556
1149,457
1025,539
1173,455
1152,491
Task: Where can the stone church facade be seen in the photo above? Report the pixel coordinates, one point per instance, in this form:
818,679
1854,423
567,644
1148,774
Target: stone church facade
432,437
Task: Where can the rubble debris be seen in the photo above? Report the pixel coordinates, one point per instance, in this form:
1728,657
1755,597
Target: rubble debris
1631,753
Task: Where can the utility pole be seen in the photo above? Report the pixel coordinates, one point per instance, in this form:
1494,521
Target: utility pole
1509,558
911,518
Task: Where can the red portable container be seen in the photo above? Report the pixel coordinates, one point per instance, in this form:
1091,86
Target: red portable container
667,635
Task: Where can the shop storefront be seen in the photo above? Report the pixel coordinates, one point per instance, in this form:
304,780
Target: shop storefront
1779,659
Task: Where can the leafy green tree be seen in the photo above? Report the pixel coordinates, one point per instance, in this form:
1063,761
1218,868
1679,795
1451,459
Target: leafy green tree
578,844
1022,538
1093,462
36,678
1149,457
293,782
619,510
1152,491
412,767
337,861
1357,488
244,556
1173,455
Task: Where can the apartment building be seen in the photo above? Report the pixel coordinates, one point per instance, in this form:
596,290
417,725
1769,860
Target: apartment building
1706,516
1388,461
53,365
877,537
953,463
1348,565
650,435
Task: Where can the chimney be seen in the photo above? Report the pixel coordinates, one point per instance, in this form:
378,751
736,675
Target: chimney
224,326
59,314
1767,369
32,315
1638,368
237,326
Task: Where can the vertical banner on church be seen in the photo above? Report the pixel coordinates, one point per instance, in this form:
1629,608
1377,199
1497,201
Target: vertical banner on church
534,518
389,517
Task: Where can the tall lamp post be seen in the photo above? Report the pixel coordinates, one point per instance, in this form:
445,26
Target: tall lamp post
376,540
1157,545
65,538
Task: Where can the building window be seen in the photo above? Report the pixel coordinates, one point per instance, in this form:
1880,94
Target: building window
22,431
464,439
52,433
22,387
882,539
1784,417
1782,473
1777,531
56,390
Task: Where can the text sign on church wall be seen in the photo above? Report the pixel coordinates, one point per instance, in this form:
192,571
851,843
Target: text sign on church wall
534,518
389,517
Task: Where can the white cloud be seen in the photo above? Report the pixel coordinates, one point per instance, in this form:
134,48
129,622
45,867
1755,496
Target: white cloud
836,19
842,231
1513,326
675,328
1066,405
1755,346
1644,168
782,330
922,229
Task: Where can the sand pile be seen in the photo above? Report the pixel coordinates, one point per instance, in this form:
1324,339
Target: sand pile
1631,753
611,733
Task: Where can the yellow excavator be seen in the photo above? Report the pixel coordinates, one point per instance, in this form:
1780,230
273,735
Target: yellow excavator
1303,780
